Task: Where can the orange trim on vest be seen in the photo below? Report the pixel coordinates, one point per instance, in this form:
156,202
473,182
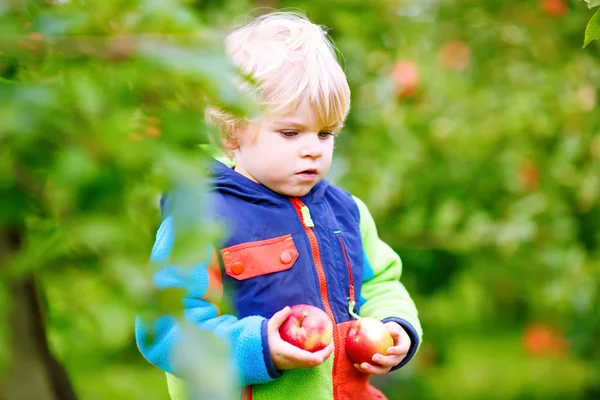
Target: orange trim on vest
214,293
246,393
349,383
251,259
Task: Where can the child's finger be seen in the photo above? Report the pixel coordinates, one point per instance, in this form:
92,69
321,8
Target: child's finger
401,345
402,341
399,350
395,331
326,352
306,359
372,369
302,358
387,361
278,319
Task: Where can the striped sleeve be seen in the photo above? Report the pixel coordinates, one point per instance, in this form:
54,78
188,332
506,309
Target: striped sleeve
383,296
202,288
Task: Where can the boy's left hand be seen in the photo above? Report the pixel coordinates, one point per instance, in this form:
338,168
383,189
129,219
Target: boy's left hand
383,364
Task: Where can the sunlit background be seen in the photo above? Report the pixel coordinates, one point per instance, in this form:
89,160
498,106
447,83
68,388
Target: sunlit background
474,137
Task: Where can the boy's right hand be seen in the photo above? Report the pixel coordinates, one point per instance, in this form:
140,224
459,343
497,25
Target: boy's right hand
288,356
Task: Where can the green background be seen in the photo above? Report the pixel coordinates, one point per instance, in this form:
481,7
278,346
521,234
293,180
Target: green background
486,180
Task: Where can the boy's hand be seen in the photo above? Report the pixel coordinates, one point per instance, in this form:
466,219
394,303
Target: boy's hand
288,356
383,364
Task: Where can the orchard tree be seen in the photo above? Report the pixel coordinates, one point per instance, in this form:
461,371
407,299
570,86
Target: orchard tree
101,108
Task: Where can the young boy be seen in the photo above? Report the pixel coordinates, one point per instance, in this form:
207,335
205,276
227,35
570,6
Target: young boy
293,237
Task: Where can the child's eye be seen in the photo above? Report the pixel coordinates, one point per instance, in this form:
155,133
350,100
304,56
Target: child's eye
289,133
325,134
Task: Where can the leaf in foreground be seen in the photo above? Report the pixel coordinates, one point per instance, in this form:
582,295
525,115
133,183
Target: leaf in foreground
592,31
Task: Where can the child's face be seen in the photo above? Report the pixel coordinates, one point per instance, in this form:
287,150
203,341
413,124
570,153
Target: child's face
289,154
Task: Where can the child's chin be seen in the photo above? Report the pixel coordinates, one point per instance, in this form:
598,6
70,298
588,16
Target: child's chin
294,192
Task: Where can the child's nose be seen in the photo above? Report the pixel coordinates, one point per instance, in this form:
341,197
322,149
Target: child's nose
312,148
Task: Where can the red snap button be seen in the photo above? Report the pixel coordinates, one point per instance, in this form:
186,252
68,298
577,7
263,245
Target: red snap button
237,268
286,257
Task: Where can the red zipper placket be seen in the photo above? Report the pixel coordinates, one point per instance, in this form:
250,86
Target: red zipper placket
305,218
304,215
349,266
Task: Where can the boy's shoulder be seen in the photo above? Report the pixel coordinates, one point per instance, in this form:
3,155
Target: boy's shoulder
338,194
337,190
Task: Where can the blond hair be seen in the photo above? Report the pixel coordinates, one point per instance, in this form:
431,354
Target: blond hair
291,59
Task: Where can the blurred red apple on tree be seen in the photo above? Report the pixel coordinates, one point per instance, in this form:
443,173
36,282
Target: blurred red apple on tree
455,55
307,327
406,78
529,175
541,339
367,337
555,8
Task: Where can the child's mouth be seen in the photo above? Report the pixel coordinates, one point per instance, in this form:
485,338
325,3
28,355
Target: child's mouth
308,174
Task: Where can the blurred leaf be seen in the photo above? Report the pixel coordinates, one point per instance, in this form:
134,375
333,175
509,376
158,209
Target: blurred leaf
52,24
40,251
593,3
4,310
97,233
204,359
214,71
114,324
134,281
169,301
89,96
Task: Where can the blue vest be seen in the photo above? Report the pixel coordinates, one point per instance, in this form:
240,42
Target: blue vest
280,251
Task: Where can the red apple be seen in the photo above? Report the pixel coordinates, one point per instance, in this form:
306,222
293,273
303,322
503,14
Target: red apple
406,77
367,337
307,327
529,175
455,55
555,8
539,339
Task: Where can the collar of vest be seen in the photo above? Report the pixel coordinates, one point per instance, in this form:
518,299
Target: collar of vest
226,180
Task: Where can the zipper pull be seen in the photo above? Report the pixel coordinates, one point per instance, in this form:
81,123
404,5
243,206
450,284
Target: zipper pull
308,222
351,305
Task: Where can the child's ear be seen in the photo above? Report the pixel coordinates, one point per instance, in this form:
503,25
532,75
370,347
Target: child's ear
230,142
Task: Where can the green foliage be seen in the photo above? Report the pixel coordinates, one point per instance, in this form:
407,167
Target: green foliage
592,31
102,110
4,304
593,3
486,180
207,382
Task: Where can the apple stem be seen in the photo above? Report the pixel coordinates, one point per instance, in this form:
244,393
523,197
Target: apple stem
351,305
301,319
